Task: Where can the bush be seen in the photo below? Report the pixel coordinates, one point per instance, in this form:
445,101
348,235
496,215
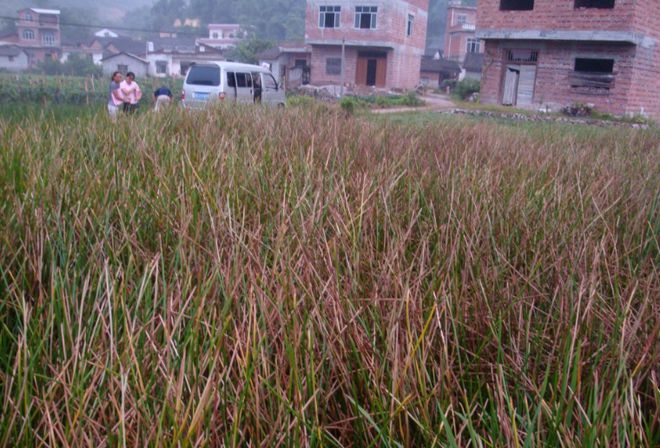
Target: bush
466,88
299,101
349,104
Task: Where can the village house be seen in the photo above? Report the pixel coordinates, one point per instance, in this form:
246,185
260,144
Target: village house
13,58
383,41
436,69
289,62
173,57
38,34
223,36
124,63
550,54
460,32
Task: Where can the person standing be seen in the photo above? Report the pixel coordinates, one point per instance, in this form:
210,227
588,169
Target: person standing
132,93
162,98
116,98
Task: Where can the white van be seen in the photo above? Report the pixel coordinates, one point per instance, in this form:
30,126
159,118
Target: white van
230,81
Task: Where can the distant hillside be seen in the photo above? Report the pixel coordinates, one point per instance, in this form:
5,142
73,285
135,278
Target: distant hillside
106,11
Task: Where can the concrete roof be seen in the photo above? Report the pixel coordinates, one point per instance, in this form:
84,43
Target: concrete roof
567,35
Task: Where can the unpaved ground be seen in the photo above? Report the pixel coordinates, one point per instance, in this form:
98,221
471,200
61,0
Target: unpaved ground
434,103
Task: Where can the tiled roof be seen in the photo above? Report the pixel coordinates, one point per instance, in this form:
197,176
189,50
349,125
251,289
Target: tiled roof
440,66
474,62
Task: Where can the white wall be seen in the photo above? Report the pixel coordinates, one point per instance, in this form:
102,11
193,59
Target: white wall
18,63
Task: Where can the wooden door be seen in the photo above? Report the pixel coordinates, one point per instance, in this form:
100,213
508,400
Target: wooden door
381,72
361,71
510,86
526,82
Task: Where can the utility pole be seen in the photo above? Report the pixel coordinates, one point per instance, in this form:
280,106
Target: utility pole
343,67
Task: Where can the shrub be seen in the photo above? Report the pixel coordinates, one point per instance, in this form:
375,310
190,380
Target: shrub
299,101
467,87
349,104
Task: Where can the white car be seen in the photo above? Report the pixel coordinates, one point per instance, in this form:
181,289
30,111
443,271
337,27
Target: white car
230,81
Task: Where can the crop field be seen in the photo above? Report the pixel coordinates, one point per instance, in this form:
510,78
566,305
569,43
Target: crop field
255,277
16,90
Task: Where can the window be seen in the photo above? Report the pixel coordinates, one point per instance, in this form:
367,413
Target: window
473,45
243,80
301,63
214,36
365,17
409,27
593,76
161,67
28,17
11,58
589,65
269,82
203,75
122,68
461,19
516,5
28,34
603,4
333,66
48,38
522,56
329,16
231,79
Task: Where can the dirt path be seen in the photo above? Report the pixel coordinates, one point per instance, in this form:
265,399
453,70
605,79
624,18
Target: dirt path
434,103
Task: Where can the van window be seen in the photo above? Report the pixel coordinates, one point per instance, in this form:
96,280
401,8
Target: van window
204,76
243,80
231,79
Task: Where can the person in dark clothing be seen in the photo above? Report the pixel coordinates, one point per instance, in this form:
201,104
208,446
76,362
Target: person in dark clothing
162,97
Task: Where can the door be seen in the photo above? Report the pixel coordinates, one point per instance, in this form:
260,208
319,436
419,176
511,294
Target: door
272,94
510,85
243,91
372,67
526,82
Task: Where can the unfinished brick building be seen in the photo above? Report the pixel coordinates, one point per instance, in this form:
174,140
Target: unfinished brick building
384,41
552,53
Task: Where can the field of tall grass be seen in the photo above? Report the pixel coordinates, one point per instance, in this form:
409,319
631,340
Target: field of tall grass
248,277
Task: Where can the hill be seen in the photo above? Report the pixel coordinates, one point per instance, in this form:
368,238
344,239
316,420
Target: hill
106,11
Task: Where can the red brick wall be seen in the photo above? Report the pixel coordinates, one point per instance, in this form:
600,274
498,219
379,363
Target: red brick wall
404,54
318,64
562,15
555,63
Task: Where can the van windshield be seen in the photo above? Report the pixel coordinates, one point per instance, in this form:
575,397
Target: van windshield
204,76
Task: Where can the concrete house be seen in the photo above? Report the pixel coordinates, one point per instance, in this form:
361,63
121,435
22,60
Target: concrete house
125,62
13,58
173,57
542,53
289,63
223,35
384,41
460,32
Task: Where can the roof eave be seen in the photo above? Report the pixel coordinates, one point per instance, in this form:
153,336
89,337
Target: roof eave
628,37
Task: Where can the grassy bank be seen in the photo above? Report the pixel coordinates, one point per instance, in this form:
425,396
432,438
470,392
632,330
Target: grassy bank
269,278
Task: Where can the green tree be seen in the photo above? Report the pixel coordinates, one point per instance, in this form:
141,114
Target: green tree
248,49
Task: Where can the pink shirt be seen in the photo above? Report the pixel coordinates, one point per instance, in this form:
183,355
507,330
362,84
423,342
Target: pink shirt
132,92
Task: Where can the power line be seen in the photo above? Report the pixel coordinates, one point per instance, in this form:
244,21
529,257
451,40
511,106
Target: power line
118,28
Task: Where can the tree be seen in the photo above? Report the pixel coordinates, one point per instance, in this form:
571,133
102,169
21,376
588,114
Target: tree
248,49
